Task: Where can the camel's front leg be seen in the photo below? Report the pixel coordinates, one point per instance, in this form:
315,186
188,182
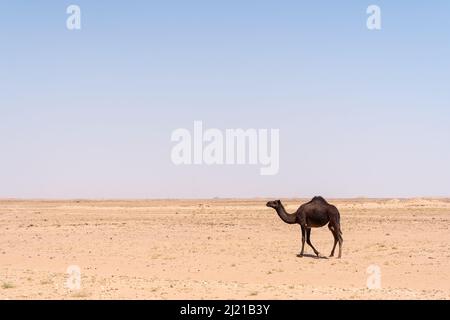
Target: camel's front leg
303,242
308,241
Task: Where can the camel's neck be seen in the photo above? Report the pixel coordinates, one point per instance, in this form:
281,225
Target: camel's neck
290,218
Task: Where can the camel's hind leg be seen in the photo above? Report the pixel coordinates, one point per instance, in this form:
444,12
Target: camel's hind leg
339,235
336,239
308,241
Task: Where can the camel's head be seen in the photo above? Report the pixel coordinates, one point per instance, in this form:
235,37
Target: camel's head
274,204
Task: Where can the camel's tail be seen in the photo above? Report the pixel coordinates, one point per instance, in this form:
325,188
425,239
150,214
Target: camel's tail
339,223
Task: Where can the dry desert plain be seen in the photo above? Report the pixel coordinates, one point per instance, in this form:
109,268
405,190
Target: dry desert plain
220,249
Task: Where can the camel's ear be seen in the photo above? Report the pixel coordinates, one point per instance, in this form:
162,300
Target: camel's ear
278,201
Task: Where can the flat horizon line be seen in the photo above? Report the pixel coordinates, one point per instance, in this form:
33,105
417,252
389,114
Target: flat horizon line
220,198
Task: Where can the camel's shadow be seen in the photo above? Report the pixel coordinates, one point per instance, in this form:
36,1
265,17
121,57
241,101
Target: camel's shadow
308,255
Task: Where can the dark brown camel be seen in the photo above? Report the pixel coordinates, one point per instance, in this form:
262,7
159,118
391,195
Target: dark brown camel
314,214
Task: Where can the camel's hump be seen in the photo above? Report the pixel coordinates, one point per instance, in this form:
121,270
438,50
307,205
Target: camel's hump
319,198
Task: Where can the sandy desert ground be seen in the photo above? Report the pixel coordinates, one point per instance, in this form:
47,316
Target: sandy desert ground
220,249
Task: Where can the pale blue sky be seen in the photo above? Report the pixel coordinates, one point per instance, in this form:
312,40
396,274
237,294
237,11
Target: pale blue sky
89,113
